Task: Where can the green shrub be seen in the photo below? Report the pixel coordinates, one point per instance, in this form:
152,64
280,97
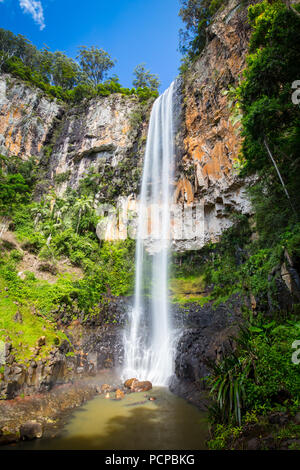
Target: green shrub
16,255
259,373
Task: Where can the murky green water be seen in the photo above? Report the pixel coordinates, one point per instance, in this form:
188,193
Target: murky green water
135,422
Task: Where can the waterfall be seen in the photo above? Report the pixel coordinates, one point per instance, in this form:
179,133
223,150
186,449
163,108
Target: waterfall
148,338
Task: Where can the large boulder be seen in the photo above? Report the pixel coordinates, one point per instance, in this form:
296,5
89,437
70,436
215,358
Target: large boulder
128,383
136,386
142,386
31,430
119,394
105,388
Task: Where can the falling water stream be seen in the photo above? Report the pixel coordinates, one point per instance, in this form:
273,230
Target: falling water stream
148,338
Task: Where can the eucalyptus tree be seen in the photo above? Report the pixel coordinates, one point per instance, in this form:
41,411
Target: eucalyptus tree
65,71
196,16
95,63
8,46
144,78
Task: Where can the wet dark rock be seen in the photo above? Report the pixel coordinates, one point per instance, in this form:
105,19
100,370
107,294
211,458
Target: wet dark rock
65,347
64,363
297,418
281,396
268,443
279,418
102,337
93,345
9,438
8,349
41,375
206,336
253,444
31,430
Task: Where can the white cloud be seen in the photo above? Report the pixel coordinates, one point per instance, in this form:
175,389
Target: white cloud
35,9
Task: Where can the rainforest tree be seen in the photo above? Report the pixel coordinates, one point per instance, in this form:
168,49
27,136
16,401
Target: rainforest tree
271,120
196,16
95,63
144,78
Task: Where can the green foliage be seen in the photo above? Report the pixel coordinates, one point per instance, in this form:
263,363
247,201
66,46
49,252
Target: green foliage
227,385
275,374
196,15
264,97
17,68
188,289
62,177
144,78
108,270
65,73
259,372
23,336
113,272
222,435
257,375
16,182
57,228
60,76
95,63
13,190
145,94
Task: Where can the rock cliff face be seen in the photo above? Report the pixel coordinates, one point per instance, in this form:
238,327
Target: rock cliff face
205,337
26,118
97,345
41,374
106,136
211,142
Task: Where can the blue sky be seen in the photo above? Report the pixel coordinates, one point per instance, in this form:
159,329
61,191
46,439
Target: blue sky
132,31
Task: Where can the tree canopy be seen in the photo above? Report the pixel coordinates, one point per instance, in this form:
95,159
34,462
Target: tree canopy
144,78
63,77
95,63
196,15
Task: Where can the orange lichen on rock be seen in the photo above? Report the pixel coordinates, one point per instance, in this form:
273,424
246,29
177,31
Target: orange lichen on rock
15,144
212,143
184,191
25,117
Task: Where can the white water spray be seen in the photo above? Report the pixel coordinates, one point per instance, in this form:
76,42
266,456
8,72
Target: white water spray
148,339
